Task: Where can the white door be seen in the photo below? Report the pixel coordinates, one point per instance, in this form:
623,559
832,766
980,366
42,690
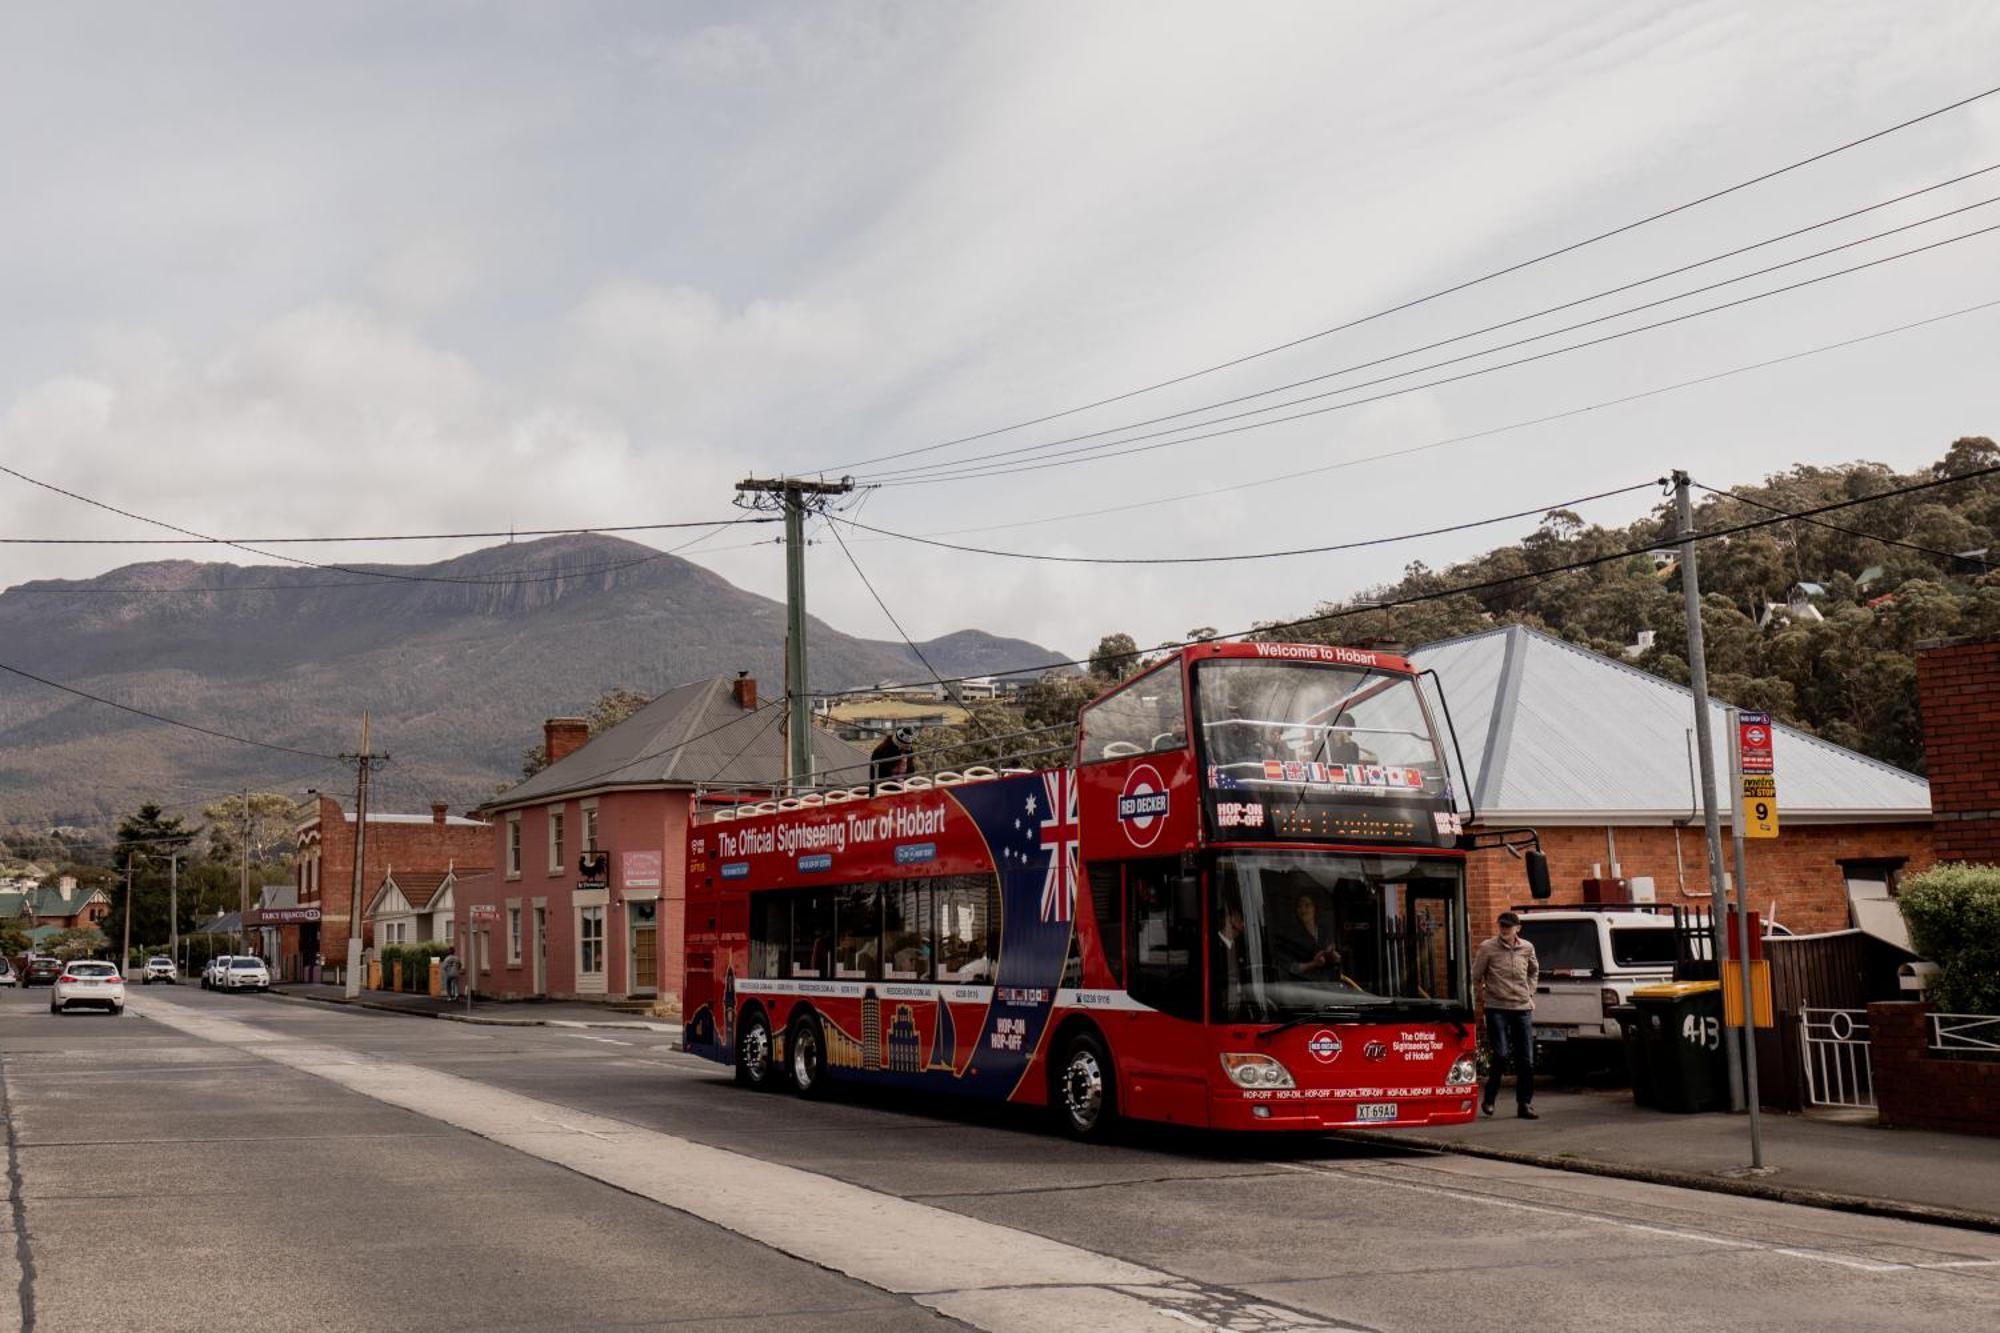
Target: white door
541,951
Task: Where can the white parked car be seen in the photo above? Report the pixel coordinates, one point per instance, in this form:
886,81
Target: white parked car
246,974
1592,960
211,975
89,983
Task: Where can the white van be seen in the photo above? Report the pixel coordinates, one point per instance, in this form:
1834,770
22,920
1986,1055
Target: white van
1592,960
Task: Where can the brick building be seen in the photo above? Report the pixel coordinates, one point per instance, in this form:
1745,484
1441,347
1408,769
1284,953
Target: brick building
1598,758
1958,688
627,794
61,903
323,869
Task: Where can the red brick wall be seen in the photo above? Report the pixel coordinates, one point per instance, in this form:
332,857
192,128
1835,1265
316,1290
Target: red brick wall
1914,1090
1958,687
1800,869
427,848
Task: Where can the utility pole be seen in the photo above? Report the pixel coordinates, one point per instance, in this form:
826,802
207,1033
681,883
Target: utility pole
1741,952
363,761
795,497
174,905
243,879
125,951
1704,741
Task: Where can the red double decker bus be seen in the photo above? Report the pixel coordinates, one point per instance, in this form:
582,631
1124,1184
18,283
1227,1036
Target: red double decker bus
1242,907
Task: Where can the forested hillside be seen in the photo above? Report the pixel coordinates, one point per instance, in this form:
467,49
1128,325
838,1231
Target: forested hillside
1890,574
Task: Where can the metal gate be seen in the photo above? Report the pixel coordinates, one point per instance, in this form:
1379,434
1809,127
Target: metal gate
1838,1072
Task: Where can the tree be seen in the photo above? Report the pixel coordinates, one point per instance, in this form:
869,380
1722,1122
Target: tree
1114,657
147,842
13,938
75,942
272,817
612,707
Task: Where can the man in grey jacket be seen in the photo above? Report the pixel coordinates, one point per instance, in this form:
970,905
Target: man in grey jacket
1504,972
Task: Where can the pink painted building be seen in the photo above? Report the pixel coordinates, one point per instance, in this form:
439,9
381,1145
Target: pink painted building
588,890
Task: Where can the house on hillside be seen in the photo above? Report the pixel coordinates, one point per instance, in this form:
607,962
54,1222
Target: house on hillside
1796,609
61,904
1598,758
588,890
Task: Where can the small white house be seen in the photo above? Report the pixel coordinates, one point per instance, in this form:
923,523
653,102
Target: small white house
413,907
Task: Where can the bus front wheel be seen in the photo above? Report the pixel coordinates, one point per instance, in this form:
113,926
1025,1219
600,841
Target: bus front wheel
756,1059
1086,1089
806,1049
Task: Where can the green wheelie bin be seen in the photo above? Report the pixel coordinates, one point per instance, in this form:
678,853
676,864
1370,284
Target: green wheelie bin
1680,1044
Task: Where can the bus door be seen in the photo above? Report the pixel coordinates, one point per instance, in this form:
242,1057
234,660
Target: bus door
1164,1061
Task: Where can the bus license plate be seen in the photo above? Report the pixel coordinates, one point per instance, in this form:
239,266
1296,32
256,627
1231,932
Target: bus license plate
1375,1111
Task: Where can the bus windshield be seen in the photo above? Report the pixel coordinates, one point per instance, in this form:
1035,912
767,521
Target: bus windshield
1303,935
1297,723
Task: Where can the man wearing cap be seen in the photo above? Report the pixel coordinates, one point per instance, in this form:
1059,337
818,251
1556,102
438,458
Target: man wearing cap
1504,972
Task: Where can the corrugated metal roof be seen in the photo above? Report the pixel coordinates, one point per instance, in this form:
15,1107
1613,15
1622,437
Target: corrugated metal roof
1550,730
693,733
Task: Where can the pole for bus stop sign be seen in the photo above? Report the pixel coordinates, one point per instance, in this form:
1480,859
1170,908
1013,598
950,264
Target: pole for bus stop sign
1748,1043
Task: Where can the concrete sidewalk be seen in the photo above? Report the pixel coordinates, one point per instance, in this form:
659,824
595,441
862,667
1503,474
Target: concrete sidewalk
1846,1162
493,1013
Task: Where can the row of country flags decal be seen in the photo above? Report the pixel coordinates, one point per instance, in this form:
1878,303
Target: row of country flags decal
1342,775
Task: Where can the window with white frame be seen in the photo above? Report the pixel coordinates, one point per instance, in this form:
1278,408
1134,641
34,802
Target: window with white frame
556,840
514,935
485,938
590,826
589,940
514,845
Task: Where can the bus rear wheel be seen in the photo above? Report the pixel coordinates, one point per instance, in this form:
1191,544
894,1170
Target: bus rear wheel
1086,1089
756,1055
806,1050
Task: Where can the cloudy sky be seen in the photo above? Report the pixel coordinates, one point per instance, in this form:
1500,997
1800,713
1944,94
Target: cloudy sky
280,269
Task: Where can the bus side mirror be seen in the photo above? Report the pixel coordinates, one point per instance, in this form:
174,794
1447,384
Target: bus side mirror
1538,875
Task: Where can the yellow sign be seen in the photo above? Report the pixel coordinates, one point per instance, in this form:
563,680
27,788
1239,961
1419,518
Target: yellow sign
1760,993
1759,807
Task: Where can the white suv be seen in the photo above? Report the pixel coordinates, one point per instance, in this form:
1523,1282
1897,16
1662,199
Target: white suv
1591,962
246,974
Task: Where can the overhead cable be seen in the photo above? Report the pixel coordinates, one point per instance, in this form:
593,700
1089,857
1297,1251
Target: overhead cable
976,469
1117,449
1667,543
1238,556
1048,445
1466,285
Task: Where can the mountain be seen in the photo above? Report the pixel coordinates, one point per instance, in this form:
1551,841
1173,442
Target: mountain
458,662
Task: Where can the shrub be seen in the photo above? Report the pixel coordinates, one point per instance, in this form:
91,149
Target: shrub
1953,912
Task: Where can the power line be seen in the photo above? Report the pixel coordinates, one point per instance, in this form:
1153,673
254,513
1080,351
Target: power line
1116,449
156,717
1048,445
1455,288
1666,543
1836,527
1236,556
901,633
363,572
1490,431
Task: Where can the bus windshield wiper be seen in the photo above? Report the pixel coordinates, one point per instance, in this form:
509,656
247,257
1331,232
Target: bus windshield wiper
1330,1015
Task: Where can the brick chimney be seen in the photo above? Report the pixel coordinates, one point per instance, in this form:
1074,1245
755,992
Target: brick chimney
437,812
1958,688
563,736
746,691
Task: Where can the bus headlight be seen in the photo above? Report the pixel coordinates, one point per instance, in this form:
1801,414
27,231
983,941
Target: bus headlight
1465,1069
1256,1070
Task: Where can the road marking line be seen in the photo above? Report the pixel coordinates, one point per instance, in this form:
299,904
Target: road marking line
608,1041
1004,1280
1700,1237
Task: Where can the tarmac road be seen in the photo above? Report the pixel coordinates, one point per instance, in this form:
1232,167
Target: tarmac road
320,1168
